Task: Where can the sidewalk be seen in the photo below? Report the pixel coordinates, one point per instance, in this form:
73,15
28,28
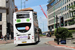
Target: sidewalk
68,45
6,42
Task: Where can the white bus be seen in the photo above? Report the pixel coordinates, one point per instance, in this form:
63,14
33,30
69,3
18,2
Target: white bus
24,28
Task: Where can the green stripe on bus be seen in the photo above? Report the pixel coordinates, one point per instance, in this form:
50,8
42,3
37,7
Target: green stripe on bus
18,20
27,20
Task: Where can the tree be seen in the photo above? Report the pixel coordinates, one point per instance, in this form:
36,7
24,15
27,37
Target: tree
63,33
40,32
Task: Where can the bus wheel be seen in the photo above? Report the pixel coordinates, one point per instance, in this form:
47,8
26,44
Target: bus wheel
16,45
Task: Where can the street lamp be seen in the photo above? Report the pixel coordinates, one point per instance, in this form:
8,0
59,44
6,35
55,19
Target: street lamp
21,4
54,17
57,28
24,3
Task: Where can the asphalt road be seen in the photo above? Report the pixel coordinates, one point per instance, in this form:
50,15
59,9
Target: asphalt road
38,46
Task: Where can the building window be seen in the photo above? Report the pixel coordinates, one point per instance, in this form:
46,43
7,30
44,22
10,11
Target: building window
0,31
0,16
66,15
74,13
71,4
65,23
70,14
63,1
65,8
67,0
74,2
7,11
6,1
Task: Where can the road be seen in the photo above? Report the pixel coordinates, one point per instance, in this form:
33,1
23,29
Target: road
38,46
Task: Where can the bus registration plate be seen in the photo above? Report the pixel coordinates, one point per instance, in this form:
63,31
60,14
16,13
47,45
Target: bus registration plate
24,42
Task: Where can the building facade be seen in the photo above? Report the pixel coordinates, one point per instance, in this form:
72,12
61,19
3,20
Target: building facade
3,24
7,8
60,8
10,5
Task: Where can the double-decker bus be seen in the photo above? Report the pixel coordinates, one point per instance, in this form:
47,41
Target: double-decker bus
25,30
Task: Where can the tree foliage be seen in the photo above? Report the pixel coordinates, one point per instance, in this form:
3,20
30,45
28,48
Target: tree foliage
62,33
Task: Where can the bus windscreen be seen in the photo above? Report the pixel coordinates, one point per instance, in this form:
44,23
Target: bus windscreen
23,27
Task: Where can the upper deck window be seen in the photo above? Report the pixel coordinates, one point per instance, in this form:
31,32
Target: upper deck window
22,16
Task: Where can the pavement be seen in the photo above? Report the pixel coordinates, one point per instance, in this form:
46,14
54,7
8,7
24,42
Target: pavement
6,42
68,44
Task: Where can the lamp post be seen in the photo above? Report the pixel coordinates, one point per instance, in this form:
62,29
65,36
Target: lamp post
21,4
24,3
50,31
54,17
57,29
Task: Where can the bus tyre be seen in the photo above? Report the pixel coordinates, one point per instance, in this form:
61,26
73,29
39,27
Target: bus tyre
16,44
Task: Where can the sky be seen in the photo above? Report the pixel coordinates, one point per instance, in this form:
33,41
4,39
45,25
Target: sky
34,4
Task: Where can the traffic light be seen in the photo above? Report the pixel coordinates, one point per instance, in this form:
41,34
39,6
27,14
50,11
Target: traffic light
62,21
50,28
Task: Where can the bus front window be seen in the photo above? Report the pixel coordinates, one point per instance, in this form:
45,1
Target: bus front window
23,27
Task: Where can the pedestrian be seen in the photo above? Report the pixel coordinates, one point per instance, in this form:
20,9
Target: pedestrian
5,37
50,34
10,36
2,37
46,34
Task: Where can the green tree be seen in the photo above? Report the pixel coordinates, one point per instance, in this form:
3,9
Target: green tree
63,33
40,32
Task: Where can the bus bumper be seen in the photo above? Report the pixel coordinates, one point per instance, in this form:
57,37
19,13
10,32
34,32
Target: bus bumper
24,42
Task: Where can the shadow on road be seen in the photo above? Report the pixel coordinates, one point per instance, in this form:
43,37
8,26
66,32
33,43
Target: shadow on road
27,44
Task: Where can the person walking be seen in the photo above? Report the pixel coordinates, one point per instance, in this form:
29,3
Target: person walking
10,36
46,34
2,37
5,37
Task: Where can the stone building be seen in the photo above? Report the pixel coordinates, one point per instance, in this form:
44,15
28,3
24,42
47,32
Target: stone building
7,9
